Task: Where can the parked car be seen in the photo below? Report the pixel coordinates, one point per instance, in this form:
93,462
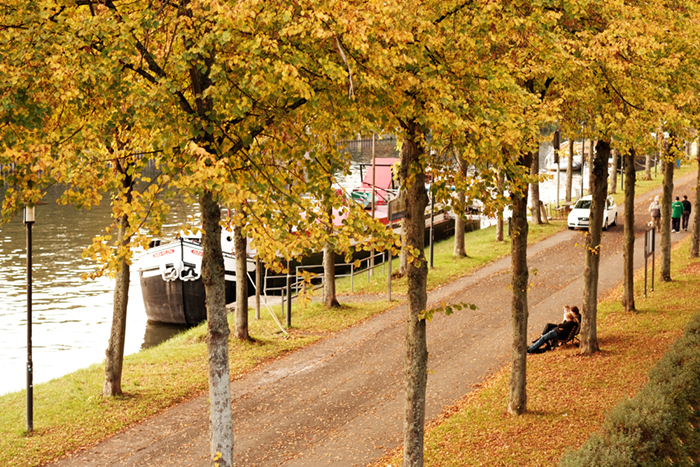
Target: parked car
580,215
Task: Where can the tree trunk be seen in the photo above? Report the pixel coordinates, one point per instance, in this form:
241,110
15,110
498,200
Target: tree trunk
613,175
598,182
220,423
460,221
666,201
460,227
329,295
499,215
239,248
517,402
570,171
115,349
647,167
695,239
535,187
628,242
416,356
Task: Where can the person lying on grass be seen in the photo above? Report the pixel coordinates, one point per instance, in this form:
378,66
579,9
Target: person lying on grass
562,331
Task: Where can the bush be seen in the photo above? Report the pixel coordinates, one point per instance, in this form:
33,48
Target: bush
657,426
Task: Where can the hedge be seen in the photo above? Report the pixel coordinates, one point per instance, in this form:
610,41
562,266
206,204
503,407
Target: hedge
657,427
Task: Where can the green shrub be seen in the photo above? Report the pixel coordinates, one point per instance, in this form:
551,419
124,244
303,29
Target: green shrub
657,426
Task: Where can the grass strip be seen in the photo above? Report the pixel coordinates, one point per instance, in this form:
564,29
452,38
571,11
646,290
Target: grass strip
481,249
568,394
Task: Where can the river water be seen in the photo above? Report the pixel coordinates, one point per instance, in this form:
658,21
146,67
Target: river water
72,317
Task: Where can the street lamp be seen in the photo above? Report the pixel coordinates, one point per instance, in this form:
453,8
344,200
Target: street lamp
29,221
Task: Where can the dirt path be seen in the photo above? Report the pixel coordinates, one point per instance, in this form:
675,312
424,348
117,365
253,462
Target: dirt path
339,402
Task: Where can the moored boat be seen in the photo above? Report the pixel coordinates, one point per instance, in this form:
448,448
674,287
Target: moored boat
171,283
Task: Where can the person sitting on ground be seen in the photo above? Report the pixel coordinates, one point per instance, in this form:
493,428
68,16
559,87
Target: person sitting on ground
562,331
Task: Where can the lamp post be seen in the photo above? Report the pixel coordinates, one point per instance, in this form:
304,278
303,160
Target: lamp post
29,221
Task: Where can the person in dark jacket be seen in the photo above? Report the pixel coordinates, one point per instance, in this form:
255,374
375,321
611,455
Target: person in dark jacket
562,331
686,213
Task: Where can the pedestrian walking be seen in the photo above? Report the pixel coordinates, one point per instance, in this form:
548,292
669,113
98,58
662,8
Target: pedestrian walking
655,213
686,213
676,214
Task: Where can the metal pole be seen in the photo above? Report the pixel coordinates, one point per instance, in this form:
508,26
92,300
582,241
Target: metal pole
289,298
558,175
646,261
257,288
583,163
370,265
653,256
391,222
432,222
29,221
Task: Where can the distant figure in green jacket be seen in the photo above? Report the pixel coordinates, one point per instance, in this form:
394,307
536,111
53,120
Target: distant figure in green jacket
676,215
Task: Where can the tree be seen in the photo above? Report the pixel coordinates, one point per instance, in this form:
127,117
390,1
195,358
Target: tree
666,200
628,242
599,185
460,221
535,191
613,173
695,239
240,245
570,171
517,402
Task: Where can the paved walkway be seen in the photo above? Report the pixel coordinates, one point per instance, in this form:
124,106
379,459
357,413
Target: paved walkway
339,402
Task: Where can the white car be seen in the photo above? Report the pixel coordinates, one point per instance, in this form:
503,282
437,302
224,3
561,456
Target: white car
580,215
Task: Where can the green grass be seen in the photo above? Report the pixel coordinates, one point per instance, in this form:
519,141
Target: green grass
481,249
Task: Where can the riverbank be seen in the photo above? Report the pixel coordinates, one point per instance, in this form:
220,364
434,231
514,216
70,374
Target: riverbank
569,395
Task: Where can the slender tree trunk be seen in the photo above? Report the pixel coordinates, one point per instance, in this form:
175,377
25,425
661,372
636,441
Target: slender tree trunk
499,215
115,350
695,239
329,295
666,201
517,401
598,182
628,242
460,227
220,422
613,175
416,356
647,167
460,221
535,187
239,247
569,171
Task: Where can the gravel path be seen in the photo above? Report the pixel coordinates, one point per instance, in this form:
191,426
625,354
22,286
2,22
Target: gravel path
339,402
